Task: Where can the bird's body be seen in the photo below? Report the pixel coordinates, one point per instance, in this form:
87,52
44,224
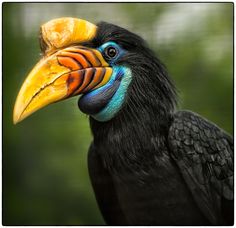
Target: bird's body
149,164
145,186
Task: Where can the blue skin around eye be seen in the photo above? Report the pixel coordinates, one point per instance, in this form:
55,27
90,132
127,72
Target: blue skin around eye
121,73
116,46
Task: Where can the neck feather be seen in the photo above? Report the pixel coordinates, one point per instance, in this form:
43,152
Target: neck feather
139,129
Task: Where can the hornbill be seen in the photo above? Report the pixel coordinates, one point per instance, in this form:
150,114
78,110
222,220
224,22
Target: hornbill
148,163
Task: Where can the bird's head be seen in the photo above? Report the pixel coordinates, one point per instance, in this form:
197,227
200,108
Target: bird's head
109,66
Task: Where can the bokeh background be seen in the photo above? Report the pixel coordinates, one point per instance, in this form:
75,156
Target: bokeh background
45,177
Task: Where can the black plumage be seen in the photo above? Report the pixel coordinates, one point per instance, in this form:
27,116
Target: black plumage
204,155
151,165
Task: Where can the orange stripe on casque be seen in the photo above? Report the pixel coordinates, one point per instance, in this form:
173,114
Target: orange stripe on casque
95,52
100,57
90,72
68,62
106,77
87,79
77,57
97,78
88,53
74,81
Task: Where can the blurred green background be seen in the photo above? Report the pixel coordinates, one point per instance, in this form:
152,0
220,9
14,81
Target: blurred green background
45,177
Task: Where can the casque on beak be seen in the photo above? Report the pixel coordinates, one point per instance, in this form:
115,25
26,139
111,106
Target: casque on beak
66,70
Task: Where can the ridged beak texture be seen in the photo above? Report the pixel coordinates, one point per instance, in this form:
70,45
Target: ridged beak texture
62,72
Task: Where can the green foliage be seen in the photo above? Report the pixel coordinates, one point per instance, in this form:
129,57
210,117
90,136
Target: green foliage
45,177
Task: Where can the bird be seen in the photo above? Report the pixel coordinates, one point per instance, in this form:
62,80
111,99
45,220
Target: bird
149,163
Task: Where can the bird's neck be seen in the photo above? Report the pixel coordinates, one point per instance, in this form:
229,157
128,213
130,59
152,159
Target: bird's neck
130,137
138,131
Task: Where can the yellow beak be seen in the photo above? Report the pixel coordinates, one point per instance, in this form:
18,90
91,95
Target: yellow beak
66,73
63,72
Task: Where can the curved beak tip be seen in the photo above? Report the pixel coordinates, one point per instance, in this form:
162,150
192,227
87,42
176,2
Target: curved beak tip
17,114
16,120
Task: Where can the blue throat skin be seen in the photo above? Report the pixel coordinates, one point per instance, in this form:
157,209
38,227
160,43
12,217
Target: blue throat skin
103,103
118,98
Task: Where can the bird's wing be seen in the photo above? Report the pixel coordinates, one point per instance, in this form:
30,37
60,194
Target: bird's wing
204,155
104,189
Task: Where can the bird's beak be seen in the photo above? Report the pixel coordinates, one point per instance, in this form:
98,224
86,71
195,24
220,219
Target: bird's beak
66,73
62,72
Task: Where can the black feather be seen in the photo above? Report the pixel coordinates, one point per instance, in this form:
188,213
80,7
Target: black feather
208,168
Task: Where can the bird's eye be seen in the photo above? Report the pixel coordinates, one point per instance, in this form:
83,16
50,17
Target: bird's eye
111,52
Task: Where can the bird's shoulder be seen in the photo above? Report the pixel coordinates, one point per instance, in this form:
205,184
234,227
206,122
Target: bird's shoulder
204,154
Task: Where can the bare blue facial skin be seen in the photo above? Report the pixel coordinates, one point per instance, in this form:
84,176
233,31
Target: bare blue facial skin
103,103
118,98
